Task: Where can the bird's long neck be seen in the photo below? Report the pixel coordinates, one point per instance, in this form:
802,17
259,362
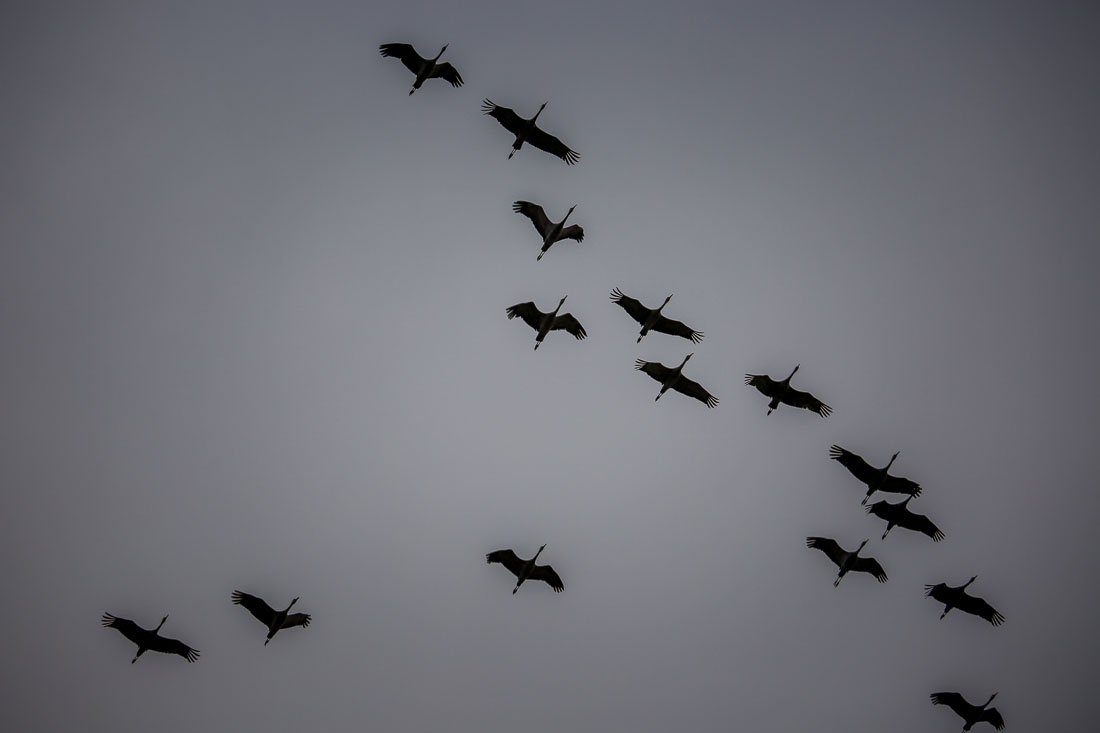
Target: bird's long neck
536,557
296,600
664,304
440,53
788,379
537,114
989,700
964,588
892,459
160,624
685,361
861,544
555,313
567,215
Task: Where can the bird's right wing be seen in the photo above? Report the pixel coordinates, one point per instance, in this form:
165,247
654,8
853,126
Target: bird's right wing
692,388
296,619
256,606
512,122
535,213
567,322
405,52
448,73
953,700
125,626
547,574
634,308
508,559
870,565
762,382
937,592
855,465
658,371
979,607
828,546
676,328
528,312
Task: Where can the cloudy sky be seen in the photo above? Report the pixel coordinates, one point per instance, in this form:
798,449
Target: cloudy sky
254,337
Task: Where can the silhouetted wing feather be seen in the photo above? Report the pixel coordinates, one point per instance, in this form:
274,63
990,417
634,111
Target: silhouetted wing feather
919,523
692,388
634,308
573,231
978,607
676,328
953,700
256,606
805,400
547,574
855,465
508,559
545,141
900,485
993,717
126,627
567,322
296,619
939,592
535,213
829,547
512,122
448,73
762,382
870,565
173,646
406,53
531,315
658,371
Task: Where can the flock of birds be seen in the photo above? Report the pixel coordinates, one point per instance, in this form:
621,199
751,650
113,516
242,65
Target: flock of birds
650,319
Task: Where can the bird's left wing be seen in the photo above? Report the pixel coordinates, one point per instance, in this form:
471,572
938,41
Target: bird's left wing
807,401
448,73
920,523
979,607
573,231
173,646
692,388
676,328
994,717
547,574
870,565
567,322
545,141
297,619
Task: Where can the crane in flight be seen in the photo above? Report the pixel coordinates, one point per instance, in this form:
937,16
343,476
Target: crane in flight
674,379
544,323
970,714
549,231
423,68
783,392
847,561
268,616
526,569
527,131
957,597
149,639
651,319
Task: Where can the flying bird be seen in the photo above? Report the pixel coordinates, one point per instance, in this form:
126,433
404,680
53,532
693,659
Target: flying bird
652,320
548,230
783,392
971,714
899,515
268,616
544,323
149,639
674,379
847,561
423,68
877,479
957,597
527,131
526,569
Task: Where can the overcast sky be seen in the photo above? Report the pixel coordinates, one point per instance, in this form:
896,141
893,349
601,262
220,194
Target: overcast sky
252,316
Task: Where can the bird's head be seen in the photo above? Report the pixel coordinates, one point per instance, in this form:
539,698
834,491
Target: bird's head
542,548
292,603
861,544
971,581
562,301
161,622
666,301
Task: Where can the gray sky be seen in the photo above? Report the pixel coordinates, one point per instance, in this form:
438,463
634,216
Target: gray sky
254,337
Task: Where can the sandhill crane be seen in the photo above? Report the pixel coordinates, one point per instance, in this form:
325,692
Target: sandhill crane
527,131
423,68
548,230
847,560
899,515
526,569
268,616
674,379
957,597
544,323
877,479
971,714
149,639
783,392
652,320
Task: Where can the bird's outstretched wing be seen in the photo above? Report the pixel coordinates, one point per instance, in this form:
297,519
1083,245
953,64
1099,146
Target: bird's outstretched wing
173,646
407,54
573,231
448,73
938,592
512,122
762,382
870,565
692,388
528,312
676,328
658,371
547,574
855,464
805,400
953,700
634,308
126,627
535,213
900,485
508,559
545,141
566,322
978,607
297,619
256,606
919,523
993,716
829,547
